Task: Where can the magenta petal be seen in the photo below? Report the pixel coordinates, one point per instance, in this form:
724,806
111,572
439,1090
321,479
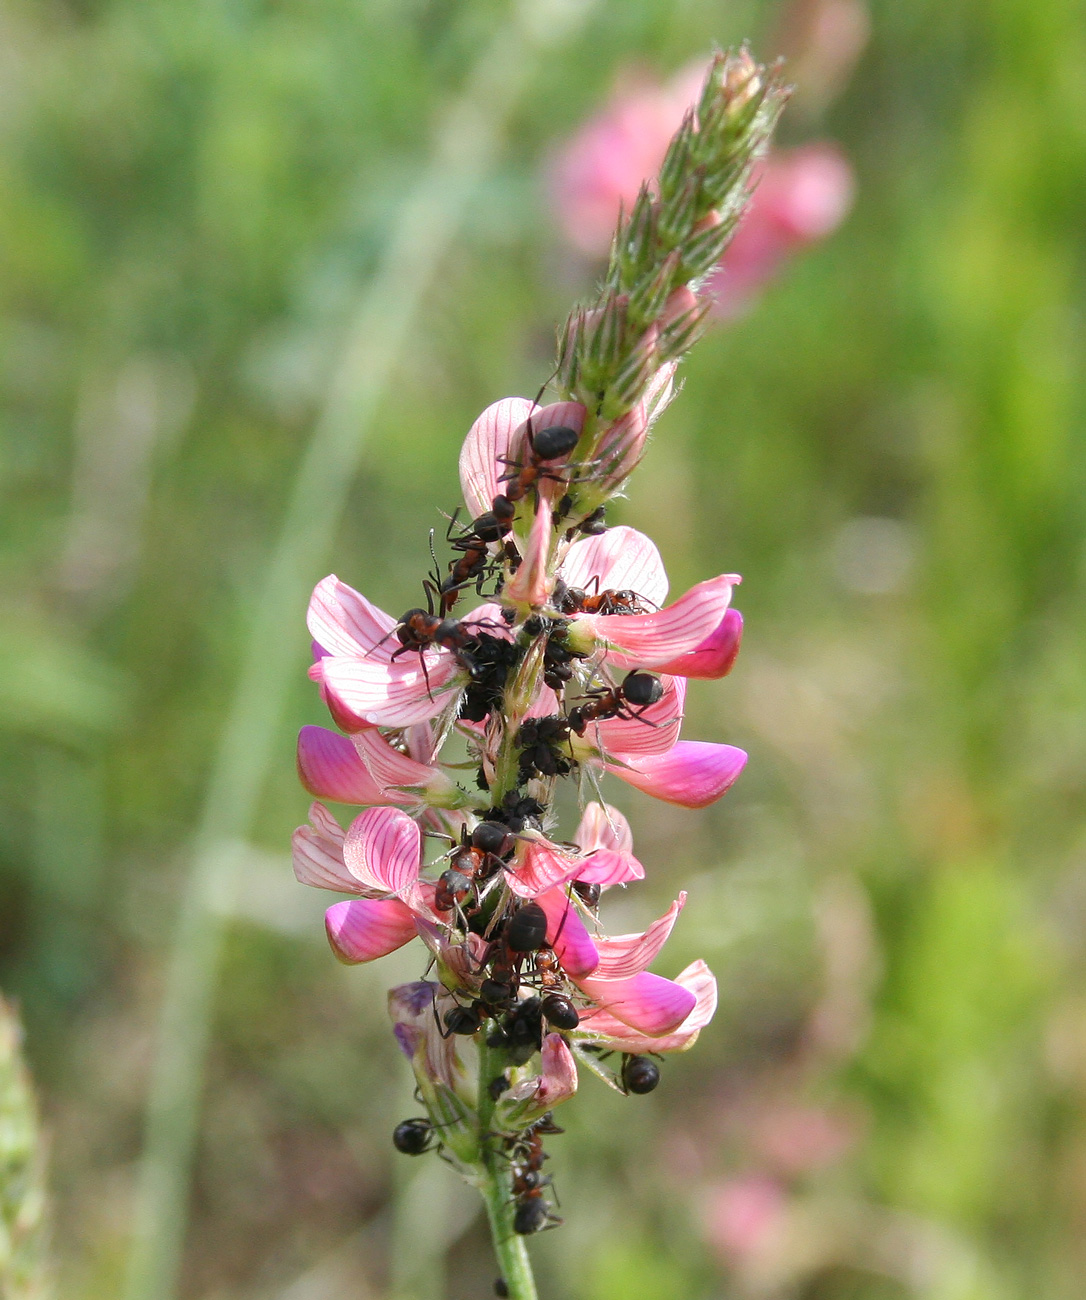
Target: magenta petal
607,867
652,731
648,1003
372,693
567,935
620,558
362,929
603,827
383,850
488,438
329,766
389,769
694,774
344,622
716,655
317,851
699,979
627,954
648,640
539,866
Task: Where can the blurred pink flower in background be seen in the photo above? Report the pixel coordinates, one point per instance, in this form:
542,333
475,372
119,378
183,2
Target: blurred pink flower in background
800,195
741,1215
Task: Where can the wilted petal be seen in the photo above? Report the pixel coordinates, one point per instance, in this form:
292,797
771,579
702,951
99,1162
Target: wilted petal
699,979
717,653
539,866
567,935
318,853
414,1010
362,929
530,585
628,954
383,850
693,774
344,622
648,640
619,559
652,1005
390,769
556,1083
653,730
488,438
329,766
367,692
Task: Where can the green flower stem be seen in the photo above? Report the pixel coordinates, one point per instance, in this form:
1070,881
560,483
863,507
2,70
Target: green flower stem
495,1183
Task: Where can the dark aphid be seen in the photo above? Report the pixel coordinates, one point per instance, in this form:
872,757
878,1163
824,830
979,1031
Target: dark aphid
595,523
501,1288
463,1020
639,1074
412,1137
526,929
523,1030
560,1011
641,689
546,1124
589,894
497,1086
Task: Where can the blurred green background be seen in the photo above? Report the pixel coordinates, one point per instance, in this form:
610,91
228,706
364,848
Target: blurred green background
889,447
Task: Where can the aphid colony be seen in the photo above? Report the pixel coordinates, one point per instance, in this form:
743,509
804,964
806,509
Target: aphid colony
521,992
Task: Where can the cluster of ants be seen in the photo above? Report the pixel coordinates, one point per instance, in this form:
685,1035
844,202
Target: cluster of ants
522,993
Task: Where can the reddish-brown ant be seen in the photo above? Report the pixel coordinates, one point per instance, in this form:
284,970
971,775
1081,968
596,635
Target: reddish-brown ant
478,856
544,447
579,600
636,692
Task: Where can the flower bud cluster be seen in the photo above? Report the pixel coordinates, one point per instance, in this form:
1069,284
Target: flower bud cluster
572,667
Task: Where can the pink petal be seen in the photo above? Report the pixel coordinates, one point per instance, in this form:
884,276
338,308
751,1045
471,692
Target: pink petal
344,622
556,1083
539,866
693,774
621,447
698,978
621,559
603,827
648,640
567,935
716,655
318,853
383,850
653,731
329,766
389,768
530,586
652,1005
606,867
367,692
488,438
628,954
363,929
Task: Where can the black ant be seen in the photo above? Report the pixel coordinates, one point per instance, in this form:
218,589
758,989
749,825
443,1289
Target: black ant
558,1010
639,1074
533,1212
538,740
636,692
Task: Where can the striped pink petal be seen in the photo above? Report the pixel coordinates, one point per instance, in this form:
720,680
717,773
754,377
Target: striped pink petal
648,640
648,1003
530,585
366,692
317,852
329,766
619,559
567,935
693,774
717,653
608,867
538,866
603,827
488,438
383,850
395,773
653,731
699,980
628,954
363,929
344,622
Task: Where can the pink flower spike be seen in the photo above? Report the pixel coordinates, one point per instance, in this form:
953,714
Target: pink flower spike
329,766
317,851
343,622
700,981
620,558
529,587
652,1005
567,935
716,655
538,866
363,929
400,779
647,640
653,730
629,954
693,774
488,438
365,692
383,850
